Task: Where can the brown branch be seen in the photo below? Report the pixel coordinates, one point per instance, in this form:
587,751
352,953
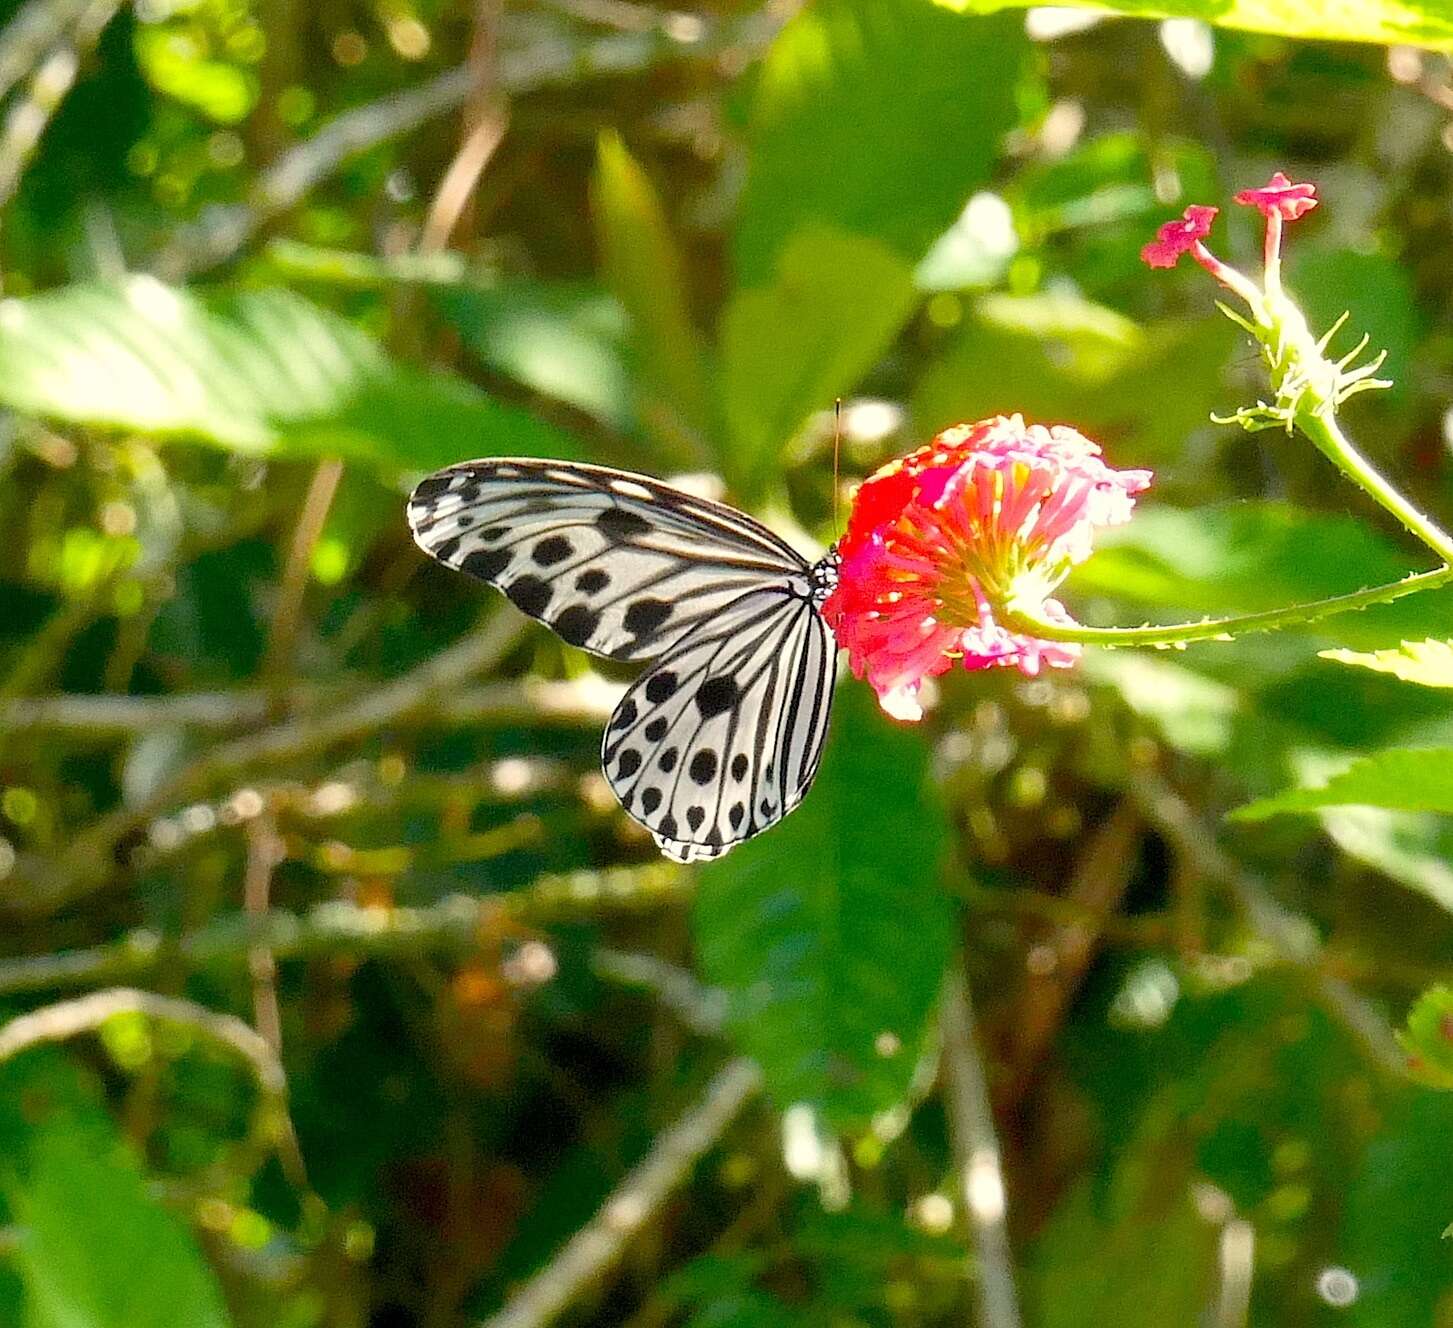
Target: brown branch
452,926
85,1014
977,1156
486,117
99,716
1293,939
1100,879
54,76
282,641
542,64
41,885
580,1268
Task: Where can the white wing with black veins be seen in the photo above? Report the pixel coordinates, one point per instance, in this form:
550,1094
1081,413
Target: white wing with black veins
616,563
721,738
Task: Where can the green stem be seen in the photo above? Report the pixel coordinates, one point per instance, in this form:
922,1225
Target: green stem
1224,629
1322,428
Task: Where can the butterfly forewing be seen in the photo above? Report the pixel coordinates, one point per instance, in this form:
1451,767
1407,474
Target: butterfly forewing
721,738
616,563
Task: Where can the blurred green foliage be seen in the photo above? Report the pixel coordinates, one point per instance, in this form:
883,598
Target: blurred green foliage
258,755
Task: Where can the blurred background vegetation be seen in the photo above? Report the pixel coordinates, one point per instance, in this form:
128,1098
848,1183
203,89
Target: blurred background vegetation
336,989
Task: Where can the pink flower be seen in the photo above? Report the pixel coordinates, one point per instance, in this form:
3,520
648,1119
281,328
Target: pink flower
1278,200
1179,237
938,541
1281,197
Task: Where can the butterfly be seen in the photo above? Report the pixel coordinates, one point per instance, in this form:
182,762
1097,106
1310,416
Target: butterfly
721,737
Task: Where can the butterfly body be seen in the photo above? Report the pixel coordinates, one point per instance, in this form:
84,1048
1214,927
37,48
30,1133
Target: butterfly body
720,738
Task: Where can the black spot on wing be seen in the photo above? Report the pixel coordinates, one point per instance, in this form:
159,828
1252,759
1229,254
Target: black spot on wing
619,523
650,800
695,816
703,767
656,729
529,594
667,760
646,616
486,564
740,765
630,762
625,716
551,550
716,695
576,622
592,582
661,687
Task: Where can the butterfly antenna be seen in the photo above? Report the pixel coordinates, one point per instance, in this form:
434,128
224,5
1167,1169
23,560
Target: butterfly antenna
837,442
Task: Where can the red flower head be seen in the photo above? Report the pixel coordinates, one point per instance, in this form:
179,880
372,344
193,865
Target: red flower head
1280,196
985,513
1178,237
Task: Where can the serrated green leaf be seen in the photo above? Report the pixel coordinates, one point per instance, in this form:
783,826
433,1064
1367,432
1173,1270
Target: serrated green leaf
1427,1037
1407,780
830,934
789,347
1409,22
877,119
644,268
98,1251
262,371
1428,663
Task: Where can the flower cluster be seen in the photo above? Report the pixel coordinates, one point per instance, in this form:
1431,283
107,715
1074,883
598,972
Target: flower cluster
944,543
1305,379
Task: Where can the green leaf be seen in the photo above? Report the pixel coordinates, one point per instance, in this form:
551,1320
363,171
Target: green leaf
1378,291
263,371
564,341
1410,22
1394,1206
877,119
1059,358
644,269
98,1251
1400,779
1428,1037
790,347
830,933
1428,663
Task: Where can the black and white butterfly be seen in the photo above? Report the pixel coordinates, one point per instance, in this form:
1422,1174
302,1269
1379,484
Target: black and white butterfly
721,737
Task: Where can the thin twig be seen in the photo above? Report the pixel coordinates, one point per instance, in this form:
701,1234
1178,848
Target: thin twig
580,1268
53,78
1101,877
486,117
1236,1266
282,641
85,1014
455,925
39,885
98,716
1293,939
976,1153
702,1009
287,181
31,33
264,851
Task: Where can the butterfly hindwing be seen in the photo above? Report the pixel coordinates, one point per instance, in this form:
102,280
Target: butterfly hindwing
721,738
616,563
